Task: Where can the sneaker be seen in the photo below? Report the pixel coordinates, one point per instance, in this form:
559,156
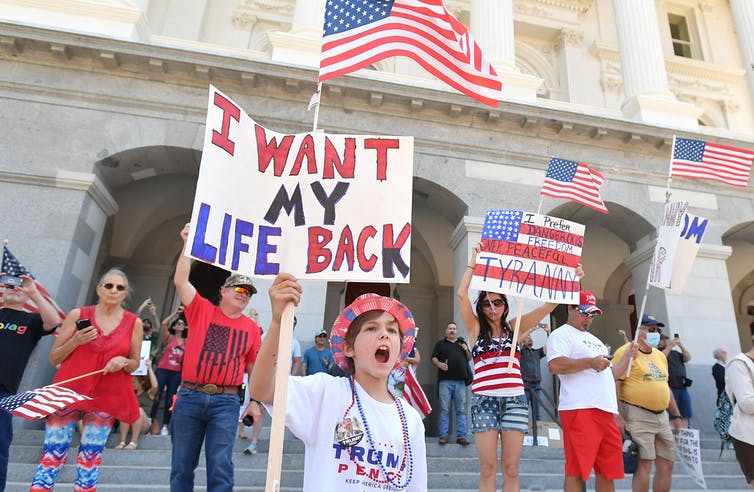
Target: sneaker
443,440
463,441
164,431
251,448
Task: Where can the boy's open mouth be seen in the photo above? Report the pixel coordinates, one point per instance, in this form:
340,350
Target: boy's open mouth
382,354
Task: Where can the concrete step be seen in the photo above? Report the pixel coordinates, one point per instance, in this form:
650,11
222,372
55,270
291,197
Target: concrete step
451,468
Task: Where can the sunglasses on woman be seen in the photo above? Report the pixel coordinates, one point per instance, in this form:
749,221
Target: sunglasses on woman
496,303
118,287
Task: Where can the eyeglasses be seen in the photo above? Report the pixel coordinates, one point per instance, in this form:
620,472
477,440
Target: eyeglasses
118,287
496,302
651,329
242,290
586,314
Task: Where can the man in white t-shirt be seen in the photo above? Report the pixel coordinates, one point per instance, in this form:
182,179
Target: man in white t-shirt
588,402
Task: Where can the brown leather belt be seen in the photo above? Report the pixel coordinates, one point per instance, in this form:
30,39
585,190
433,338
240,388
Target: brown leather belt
210,389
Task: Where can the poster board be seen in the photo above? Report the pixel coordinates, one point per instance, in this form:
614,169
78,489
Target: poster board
529,255
316,205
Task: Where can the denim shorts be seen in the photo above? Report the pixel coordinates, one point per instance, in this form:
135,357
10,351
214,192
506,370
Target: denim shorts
499,413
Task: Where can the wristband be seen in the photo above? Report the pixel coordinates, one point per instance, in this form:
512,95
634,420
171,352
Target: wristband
470,266
674,417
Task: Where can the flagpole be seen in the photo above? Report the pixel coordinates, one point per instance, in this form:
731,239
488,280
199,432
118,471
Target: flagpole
316,109
60,383
541,199
516,328
670,172
638,325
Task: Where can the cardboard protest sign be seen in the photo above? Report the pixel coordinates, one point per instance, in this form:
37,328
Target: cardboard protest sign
529,255
688,449
319,206
678,241
143,357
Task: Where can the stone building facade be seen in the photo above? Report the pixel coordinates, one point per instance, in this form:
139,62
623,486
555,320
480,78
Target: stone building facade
103,105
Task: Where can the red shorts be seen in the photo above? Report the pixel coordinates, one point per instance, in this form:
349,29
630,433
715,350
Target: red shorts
591,440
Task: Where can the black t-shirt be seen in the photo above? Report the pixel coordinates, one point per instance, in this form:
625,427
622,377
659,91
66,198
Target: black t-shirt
19,333
455,356
530,370
676,369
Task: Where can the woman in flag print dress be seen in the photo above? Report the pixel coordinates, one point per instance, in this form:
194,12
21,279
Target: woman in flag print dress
498,401
112,343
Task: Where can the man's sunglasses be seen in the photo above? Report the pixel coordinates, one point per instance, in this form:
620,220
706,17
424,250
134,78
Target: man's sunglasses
651,329
496,302
118,287
242,290
586,314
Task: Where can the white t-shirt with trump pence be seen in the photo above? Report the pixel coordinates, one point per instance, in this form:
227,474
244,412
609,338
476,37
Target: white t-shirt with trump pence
322,412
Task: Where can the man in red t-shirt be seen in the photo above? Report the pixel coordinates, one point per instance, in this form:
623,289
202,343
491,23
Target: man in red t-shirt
222,346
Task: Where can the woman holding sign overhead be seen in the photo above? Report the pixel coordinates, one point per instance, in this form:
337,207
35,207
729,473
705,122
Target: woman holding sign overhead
498,401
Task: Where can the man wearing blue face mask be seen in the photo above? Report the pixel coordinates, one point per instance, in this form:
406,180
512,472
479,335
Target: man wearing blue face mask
645,400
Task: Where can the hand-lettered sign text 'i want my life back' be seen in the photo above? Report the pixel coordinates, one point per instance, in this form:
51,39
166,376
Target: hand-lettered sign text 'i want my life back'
319,206
529,255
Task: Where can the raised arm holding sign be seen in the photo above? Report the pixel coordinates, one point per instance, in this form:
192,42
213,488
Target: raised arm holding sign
304,204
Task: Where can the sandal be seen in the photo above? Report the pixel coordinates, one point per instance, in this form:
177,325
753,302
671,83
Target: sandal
131,446
121,445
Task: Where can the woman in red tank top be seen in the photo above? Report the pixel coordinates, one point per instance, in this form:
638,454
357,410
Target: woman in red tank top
108,338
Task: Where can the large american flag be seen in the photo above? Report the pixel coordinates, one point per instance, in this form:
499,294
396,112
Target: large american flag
529,255
574,181
358,33
39,403
707,160
11,266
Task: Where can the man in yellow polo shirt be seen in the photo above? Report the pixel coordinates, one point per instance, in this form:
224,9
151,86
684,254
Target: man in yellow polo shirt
645,400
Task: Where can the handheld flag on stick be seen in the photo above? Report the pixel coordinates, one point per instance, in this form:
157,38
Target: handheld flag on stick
358,34
39,403
574,181
11,266
707,160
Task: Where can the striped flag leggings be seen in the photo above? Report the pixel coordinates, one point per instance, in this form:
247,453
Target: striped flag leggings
59,430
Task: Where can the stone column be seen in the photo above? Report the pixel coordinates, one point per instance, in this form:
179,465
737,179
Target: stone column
302,44
647,96
492,28
743,16
467,233
704,307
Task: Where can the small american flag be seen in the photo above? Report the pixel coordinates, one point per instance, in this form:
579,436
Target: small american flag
358,33
707,160
11,266
39,403
414,394
574,181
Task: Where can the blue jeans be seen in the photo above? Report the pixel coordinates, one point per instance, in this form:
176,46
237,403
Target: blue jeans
455,391
169,381
533,402
6,436
212,419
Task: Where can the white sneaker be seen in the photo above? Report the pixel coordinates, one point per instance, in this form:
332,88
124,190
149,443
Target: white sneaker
164,431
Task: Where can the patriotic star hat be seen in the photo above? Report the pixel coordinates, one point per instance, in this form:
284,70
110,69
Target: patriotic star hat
371,302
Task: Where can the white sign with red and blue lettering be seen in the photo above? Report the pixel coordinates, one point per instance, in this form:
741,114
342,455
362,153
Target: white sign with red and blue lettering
319,206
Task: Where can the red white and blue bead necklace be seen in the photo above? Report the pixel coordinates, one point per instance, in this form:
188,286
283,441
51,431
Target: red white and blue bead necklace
408,460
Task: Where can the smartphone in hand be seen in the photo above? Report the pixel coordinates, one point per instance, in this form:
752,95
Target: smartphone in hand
83,323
